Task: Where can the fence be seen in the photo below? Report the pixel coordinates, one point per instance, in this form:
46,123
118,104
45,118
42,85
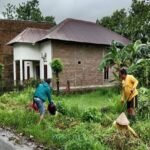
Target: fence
8,85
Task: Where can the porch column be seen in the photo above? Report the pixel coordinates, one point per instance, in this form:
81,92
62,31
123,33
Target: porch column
41,70
14,69
21,72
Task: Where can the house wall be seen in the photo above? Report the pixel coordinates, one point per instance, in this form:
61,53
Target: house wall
29,53
46,48
26,52
80,61
8,30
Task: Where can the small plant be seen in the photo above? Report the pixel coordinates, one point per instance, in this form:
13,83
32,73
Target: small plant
1,76
62,108
57,67
1,70
72,111
91,115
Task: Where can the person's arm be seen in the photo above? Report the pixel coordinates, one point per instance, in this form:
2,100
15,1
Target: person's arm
133,132
134,82
122,97
49,95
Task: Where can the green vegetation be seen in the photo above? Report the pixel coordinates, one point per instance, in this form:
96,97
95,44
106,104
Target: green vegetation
132,23
27,11
135,57
57,67
84,122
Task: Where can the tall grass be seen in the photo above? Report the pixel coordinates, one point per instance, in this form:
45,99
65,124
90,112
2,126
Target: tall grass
85,121
97,99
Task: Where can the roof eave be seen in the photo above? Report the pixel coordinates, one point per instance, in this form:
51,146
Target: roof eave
11,44
87,42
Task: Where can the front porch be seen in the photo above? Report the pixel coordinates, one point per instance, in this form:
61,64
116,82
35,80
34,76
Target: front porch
27,69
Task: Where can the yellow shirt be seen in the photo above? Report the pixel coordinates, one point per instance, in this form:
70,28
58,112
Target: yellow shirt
128,84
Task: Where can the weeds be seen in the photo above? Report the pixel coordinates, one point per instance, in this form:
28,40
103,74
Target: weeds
84,121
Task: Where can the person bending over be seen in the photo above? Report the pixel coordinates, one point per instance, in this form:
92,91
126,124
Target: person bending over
42,93
129,93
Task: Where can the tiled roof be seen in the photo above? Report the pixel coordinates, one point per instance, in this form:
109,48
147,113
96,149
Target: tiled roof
71,30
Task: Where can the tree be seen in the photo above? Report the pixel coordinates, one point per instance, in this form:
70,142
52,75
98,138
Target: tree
50,19
140,62
27,11
134,24
117,22
138,21
10,12
57,67
116,57
135,57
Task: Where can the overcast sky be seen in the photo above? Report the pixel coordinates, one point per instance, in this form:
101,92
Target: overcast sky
88,10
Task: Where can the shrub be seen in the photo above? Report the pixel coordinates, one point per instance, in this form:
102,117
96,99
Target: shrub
118,141
78,138
91,115
62,108
68,111
144,103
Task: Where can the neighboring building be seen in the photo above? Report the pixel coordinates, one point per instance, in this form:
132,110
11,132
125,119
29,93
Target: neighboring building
8,30
81,46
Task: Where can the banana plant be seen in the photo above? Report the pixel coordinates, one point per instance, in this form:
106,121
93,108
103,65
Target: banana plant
134,56
117,57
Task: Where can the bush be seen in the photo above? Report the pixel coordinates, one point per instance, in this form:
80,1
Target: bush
143,130
91,115
64,110
78,138
144,103
118,141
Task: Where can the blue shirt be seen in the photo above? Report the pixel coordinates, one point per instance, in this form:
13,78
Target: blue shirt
43,91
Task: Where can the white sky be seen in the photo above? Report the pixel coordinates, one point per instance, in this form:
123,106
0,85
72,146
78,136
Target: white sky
88,10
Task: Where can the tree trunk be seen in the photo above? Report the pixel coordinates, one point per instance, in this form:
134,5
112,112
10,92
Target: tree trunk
57,83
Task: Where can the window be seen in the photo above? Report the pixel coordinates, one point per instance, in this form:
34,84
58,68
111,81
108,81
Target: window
28,72
37,72
45,71
106,73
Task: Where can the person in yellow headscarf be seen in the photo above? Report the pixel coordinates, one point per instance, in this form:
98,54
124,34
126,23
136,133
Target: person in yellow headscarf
129,93
122,124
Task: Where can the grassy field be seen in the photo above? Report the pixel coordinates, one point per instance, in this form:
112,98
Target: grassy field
96,99
84,121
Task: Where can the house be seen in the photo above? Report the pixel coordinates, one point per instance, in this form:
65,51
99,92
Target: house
80,45
8,30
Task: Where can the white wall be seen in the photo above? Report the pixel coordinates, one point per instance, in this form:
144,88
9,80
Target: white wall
29,52
46,48
26,52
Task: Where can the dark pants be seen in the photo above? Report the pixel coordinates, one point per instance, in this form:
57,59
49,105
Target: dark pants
133,103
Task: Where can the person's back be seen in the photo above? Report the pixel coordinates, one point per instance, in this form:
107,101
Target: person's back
43,91
128,84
